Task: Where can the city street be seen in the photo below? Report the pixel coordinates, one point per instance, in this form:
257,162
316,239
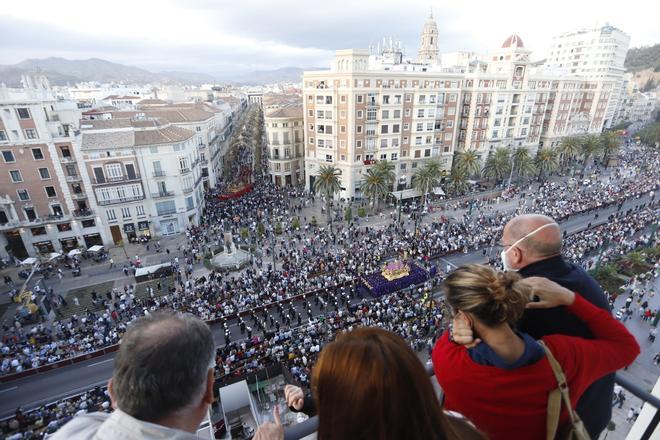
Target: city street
46,387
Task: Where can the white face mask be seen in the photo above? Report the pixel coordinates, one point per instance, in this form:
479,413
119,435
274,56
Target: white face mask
504,251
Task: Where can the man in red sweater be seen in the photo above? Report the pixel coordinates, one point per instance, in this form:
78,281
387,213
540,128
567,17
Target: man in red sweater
531,245
507,399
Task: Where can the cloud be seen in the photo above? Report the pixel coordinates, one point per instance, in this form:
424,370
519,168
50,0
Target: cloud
219,36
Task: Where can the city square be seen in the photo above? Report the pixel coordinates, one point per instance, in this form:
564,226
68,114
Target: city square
286,218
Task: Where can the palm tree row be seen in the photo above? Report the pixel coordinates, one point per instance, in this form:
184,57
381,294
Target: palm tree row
427,178
587,147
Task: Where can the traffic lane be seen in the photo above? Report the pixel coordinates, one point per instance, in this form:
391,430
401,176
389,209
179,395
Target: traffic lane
34,390
40,389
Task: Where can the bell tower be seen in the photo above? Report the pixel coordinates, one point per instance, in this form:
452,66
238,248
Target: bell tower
428,47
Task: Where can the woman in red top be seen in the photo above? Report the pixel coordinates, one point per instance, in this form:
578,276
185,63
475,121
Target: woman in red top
502,384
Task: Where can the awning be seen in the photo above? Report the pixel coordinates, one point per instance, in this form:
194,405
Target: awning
74,252
29,261
54,256
406,194
438,191
142,271
95,248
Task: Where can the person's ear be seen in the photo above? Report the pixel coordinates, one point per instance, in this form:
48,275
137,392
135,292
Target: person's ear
111,392
210,381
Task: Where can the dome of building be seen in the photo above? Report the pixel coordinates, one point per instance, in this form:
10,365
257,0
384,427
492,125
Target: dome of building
513,41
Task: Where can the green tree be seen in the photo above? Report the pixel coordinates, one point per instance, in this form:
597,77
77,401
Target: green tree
498,164
386,170
523,163
427,178
348,214
362,212
469,161
650,135
458,180
375,186
609,145
261,229
546,162
589,147
328,184
569,148
295,223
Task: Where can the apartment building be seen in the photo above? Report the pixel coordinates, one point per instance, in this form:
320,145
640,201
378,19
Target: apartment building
379,106
596,53
43,203
285,133
145,175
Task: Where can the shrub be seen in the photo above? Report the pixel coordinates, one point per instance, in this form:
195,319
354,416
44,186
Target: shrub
348,214
278,228
362,212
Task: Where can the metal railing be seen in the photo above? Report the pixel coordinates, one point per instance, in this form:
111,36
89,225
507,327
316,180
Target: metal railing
162,194
159,173
311,425
120,200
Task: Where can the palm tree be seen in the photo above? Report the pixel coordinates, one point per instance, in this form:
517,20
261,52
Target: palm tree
523,163
386,170
328,184
375,186
469,161
424,180
609,143
546,161
498,164
590,146
458,180
569,148
650,135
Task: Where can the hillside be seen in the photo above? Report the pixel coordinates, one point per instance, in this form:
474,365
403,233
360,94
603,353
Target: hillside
642,58
61,71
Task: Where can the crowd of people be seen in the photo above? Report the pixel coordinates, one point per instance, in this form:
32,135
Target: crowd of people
326,262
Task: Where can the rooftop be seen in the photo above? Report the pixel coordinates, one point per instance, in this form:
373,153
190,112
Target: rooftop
286,112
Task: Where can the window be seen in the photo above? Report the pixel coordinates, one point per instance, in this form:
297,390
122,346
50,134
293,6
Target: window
63,227
37,154
383,156
44,174
50,191
328,157
38,231
8,156
359,129
360,99
395,128
386,114
183,164
168,207
384,129
189,203
125,212
3,135
420,113
394,156
23,113
359,114
15,176
427,153
88,223
30,214
114,171
407,112
139,210
111,214
419,127
30,133
397,114
417,154
23,194
402,166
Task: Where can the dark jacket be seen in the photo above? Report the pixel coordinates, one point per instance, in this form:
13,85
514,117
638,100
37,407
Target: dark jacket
595,405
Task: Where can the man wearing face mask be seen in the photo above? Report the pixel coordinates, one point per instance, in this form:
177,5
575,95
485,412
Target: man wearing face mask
531,245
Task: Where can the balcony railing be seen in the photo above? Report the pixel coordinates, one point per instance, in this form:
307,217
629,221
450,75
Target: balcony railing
75,178
114,180
67,159
187,190
120,200
78,196
311,425
160,194
167,212
160,173
184,170
83,213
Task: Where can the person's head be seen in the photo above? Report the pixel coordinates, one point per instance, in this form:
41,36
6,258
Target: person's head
369,384
164,370
529,238
493,298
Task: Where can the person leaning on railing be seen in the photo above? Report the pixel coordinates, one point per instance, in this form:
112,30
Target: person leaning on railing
369,384
503,380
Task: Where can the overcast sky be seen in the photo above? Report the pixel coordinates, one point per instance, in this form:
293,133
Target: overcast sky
224,37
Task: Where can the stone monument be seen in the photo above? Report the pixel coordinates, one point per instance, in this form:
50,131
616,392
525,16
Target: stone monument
231,257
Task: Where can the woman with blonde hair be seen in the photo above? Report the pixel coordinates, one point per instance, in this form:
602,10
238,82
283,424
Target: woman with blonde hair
503,383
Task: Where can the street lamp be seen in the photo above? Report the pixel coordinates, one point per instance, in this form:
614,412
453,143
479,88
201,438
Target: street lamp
511,173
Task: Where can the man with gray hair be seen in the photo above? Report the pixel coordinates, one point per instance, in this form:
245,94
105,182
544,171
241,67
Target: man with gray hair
162,383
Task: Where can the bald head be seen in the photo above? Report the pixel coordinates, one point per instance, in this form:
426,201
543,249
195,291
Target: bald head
544,243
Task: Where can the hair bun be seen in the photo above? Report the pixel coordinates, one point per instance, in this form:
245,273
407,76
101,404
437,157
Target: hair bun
502,284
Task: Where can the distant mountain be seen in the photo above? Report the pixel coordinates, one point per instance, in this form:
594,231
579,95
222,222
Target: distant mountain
61,71
284,74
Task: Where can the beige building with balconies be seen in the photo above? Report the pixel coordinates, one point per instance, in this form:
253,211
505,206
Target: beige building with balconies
285,133
380,106
44,207
145,175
